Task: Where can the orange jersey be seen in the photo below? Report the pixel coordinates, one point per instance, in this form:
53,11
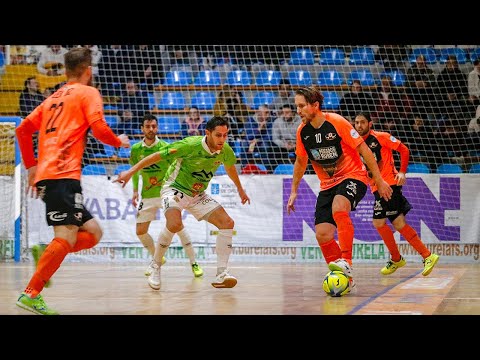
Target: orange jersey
63,120
332,150
382,144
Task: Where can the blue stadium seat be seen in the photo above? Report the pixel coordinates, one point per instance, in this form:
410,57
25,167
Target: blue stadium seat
365,76
204,100
109,151
262,98
152,102
207,78
397,76
221,170
283,169
172,101
362,56
449,169
475,169
300,77
112,120
475,54
429,53
331,100
302,56
178,78
330,78
418,168
458,52
120,168
94,169
268,77
169,125
332,56
239,77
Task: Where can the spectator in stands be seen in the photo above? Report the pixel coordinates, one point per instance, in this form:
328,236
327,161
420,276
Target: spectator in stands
2,59
474,124
391,102
392,56
454,139
133,104
420,136
145,67
181,58
285,96
474,83
284,135
52,62
451,82
30,97
194,124
230,103
420,86
356,100
18,54
259,136
111,70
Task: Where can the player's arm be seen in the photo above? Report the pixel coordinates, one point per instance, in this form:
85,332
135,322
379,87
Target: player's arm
125,176
102,132
384,190
135,179
233,174
400,177
299,168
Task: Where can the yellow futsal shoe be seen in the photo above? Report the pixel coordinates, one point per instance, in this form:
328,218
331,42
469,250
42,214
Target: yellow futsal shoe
197,270
429,263
392,266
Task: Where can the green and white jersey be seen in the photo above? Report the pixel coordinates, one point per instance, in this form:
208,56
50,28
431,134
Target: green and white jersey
195,164
152,176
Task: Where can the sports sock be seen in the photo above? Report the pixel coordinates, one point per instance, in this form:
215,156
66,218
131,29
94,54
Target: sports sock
412,237
85,240
331,251
387,235
164,241
48,264
147,241
345,234
187,244
223,248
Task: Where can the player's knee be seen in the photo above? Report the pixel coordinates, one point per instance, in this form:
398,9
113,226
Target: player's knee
98,234
399,223
323,236
378,223
175,226
226,223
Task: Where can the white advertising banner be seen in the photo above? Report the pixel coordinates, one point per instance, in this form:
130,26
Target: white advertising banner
445,212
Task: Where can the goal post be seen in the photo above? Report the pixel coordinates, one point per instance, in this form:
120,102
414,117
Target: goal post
11,189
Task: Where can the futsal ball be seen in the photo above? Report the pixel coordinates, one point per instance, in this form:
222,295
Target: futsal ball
336,283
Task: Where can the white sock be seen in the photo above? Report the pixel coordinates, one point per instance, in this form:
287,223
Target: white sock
187,244
164,241
224,248
147,241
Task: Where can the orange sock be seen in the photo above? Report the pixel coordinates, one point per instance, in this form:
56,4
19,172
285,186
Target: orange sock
387,235
345,234
331,251
412,237
85,240
48,264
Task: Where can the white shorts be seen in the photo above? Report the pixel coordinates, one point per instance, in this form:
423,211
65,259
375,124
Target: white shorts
199,206
147,210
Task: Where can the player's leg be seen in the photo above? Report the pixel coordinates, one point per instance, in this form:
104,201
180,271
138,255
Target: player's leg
173,202
347,195
147,211
380,210
207,208
187,246
64,210
409,233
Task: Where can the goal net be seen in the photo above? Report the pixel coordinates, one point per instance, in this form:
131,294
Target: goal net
427,96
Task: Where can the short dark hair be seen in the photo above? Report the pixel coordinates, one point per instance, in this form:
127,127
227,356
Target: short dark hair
365,115
216,121
311,93
77,60
476,62
27,81
149,117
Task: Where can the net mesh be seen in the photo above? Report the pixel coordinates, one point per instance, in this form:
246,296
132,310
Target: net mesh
425,95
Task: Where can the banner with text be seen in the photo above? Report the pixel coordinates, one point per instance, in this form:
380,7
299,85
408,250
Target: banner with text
445,212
